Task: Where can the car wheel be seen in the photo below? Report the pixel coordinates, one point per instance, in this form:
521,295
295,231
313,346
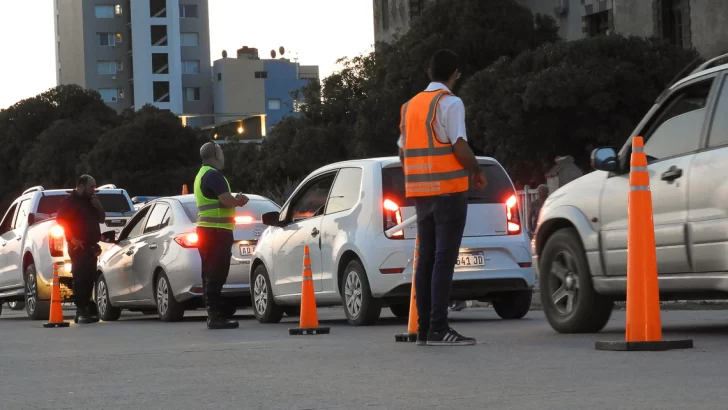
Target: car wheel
35,308
16,305
168,309
359,305
570,303
513,305
400,310
106,311
292,311
265,308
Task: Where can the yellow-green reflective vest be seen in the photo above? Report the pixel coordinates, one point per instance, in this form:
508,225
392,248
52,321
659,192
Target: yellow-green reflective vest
210,212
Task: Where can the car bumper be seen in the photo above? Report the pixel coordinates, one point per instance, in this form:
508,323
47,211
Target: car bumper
185,277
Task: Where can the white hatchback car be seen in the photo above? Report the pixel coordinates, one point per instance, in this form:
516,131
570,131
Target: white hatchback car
341,211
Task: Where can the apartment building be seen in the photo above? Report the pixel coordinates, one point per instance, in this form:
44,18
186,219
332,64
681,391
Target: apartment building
137,52
685,23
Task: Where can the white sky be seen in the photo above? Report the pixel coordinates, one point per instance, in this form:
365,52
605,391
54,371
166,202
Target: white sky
319,31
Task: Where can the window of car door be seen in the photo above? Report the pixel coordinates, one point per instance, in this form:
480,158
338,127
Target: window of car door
134,227
345,191
7,222
676,129
311,200
158,219
21,218
718,135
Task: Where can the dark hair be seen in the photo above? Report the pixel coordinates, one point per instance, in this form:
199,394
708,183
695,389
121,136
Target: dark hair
443,64
82,180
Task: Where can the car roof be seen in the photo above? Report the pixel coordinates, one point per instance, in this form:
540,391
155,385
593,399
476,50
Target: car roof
191,198
51,192
385,162
699,74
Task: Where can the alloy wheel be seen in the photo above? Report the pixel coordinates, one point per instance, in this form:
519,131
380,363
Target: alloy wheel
101,297
260,294
353,293
565,280
162,296
32,291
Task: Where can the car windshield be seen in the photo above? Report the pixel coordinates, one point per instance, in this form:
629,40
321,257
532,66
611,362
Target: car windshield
254,208
112,203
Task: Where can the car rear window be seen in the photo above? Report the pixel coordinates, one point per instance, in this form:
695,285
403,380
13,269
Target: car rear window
498,189
255,208
116,203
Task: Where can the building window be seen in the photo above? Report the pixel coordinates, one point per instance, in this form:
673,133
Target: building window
109,39
385,14
160,63
161,91
261,74
188,11
119,66
106,67
158,8
597,24
219,76
117,10
104,11
58,50
192,93
274,104
159,35
189,39
674,22
415,9
191,67
109,94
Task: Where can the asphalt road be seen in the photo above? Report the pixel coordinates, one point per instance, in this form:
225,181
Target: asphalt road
140,363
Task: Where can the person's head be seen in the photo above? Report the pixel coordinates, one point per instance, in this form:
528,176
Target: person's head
444,68
212,155
543,192
86,185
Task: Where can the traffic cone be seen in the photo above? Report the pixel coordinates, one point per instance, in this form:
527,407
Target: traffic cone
56,316
411,335
309,324
644,328
184,189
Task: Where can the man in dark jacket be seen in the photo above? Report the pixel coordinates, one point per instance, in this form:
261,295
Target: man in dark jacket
80,215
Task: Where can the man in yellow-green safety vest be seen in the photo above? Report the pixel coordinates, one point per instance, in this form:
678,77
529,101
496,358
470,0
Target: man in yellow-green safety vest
215,225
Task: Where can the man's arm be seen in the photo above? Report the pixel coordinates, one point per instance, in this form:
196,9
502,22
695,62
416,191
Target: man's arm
455,125
215,182
64,218
100,213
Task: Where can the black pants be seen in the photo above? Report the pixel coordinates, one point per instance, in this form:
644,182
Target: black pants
440,226
83,269
215,246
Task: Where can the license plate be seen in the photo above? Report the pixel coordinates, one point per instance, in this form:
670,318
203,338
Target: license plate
470,259
246,250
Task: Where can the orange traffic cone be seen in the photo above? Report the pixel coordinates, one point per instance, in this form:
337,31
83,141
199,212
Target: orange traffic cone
411,335
56,316
644,328
309,324
184,189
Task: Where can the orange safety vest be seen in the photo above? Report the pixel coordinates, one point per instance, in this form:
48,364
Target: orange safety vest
430,167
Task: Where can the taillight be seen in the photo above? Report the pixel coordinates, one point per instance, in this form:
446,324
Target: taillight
514,220
392,218
187,240
243,220
55,240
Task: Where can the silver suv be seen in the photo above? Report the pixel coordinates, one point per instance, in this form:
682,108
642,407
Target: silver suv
581,235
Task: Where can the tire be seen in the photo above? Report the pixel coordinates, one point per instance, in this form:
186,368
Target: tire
35,308
360,307
16,305
400,310
513,305
168,309
107,312
292,311
265,308
563,267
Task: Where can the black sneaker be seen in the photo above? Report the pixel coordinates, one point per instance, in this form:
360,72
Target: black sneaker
448,337
219,322
422,338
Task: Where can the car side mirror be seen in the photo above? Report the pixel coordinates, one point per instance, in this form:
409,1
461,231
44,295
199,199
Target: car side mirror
271,218
108,237
604,159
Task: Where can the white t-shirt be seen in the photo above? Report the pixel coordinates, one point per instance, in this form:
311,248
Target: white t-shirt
450,117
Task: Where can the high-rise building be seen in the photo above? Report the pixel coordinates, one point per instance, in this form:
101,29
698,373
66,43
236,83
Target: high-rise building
137,52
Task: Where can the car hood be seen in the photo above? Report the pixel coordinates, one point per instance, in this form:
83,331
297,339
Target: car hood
582,193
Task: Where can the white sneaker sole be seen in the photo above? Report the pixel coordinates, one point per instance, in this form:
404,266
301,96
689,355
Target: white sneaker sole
460,343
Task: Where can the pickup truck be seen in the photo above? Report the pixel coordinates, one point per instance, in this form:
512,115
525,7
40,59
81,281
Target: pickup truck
31,242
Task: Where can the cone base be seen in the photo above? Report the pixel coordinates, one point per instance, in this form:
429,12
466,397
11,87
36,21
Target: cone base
659,346
60,324
309,331
405,337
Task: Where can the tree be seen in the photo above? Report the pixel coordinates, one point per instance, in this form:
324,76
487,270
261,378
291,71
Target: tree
566,99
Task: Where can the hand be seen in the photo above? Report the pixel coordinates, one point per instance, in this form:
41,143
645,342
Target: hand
479,181
95,202
242,199
76,244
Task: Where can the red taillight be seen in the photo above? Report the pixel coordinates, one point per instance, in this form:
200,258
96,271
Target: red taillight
243,220
392,217
55,240
514,221
187,240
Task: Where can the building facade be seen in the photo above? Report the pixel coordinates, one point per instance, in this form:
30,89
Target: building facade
137,52
685,23
248,86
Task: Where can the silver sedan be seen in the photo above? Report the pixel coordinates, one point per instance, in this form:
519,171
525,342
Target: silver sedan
154,265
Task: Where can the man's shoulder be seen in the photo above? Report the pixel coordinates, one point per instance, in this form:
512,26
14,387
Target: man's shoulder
450,100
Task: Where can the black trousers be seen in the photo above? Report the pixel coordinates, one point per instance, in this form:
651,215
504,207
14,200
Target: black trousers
215,247
440,226
83,269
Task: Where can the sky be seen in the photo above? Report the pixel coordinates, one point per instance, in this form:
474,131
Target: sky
319,32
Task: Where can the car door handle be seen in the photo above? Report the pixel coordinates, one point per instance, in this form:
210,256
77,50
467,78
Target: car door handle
153,246
18,238
314,232
130,252
672,174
